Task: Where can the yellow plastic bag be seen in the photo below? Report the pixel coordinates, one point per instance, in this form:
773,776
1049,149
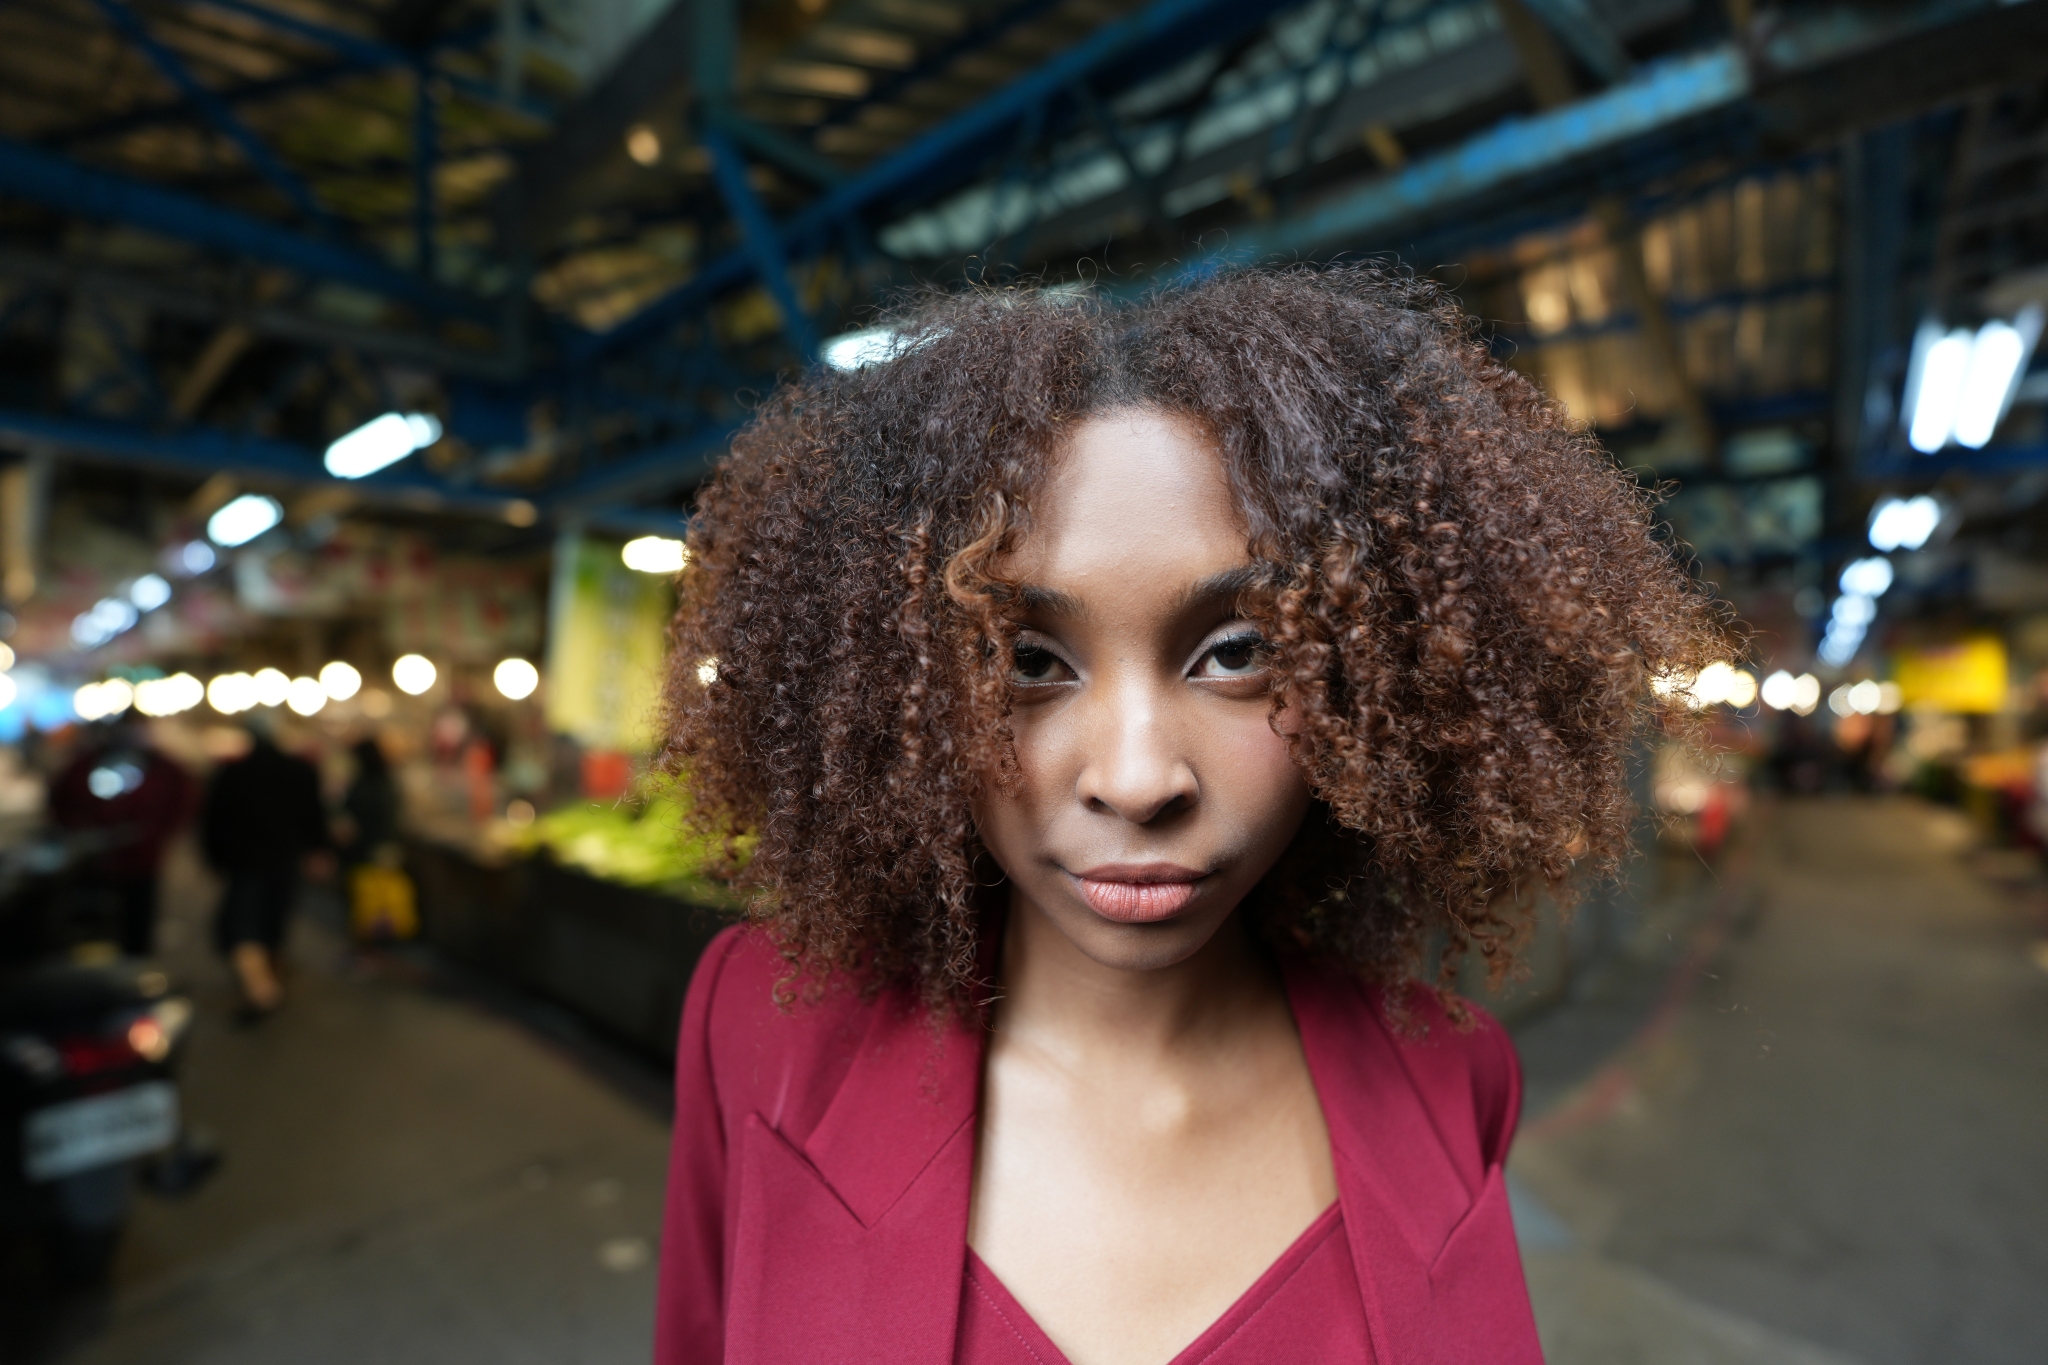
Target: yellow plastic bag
382,904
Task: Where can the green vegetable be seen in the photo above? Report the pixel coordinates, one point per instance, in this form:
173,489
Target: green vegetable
640,844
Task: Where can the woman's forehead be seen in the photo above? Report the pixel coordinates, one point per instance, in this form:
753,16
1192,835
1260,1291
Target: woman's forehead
1134,493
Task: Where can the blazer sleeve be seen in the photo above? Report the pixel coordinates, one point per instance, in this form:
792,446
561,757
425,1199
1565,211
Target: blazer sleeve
1497,1087
690,1299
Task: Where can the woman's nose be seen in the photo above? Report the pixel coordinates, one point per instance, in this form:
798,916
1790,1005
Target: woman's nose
1133,767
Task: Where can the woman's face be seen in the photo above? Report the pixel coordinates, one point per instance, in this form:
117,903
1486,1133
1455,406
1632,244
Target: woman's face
1154,791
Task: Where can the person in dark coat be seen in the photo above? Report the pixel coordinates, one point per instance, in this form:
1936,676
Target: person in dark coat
371,802
131,799
262,820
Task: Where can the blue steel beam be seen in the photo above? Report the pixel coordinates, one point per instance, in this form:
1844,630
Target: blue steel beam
635,521
149,115
672,464
770,145
62,184
888,87
914,170
215,109
1665,95
425,152
763,244
1587,35
203,451
371,54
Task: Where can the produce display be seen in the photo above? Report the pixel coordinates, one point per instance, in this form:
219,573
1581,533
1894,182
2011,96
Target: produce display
636,843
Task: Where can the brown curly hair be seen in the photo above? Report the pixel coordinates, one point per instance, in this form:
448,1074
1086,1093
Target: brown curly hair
1464,599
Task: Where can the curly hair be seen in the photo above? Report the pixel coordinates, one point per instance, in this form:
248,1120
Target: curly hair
1464,601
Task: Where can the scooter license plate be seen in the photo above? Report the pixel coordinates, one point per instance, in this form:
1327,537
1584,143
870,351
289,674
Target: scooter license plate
81,1134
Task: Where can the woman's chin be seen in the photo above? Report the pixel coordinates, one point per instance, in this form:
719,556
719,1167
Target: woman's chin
1127,946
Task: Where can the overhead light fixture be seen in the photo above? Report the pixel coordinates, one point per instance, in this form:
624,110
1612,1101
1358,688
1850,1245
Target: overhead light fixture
643,144
101,700
244,519
1870,577
655,554
169,696
858,350
1848,623
231,693
196,557
380,442
413,674
515,679
149,592
109,617
340,681
1997,359
1904,523
1783,692
1718,684
272,687
1960,383
1943,368
305,696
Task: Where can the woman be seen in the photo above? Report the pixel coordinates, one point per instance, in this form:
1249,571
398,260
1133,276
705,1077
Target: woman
371,803
1127,709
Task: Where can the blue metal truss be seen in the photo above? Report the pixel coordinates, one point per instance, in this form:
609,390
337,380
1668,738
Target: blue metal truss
68,186
1150,40
1651,105
215,109
370,54
203,450
1652,121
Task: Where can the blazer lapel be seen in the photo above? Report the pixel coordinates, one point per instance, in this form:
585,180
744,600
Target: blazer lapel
851,1248
1401,1193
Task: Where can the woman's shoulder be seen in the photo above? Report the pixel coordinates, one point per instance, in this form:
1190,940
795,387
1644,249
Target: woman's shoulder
768,1043
1457,1057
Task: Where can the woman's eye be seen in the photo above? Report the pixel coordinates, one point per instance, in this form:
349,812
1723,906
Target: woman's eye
1240,656
1036,664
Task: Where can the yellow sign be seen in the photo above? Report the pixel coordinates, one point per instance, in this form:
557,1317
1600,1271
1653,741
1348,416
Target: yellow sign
1969,677
607,642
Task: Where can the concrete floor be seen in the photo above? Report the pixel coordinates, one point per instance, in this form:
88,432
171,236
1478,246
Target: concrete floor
407,1178
1798,1117
1835,1147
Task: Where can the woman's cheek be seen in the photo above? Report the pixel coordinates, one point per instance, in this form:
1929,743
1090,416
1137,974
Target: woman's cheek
1259,766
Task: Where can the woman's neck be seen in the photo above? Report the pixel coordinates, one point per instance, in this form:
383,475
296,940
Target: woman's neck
1055,996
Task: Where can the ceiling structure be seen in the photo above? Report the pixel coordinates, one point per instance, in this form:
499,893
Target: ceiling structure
586,235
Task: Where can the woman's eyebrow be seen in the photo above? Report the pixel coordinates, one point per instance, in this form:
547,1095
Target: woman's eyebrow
1224,586
1049,601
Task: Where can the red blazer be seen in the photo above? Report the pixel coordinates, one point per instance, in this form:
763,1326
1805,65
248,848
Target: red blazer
818,1189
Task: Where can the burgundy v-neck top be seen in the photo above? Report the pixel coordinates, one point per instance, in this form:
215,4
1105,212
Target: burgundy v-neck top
824,1166
1304,1308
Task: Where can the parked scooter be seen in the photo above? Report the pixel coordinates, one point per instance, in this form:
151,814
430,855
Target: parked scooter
89,1044
87,1090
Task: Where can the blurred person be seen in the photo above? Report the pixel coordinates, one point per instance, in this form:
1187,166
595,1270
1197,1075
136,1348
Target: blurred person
371,804
382,900
1798,761
263,824
119,786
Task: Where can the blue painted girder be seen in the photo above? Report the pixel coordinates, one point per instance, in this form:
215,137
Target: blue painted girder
71,187
202,451
1137,45
1660,98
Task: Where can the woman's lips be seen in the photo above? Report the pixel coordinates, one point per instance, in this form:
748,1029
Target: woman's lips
1142,894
